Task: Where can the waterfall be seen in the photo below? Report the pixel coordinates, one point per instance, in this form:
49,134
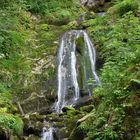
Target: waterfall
47,134
68,86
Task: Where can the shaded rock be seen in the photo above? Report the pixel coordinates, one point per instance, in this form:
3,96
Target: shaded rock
84,93
87,100
54,117
87,109
68,108
134,84
93,4
4,134
76,134
35,103
62,133
33,124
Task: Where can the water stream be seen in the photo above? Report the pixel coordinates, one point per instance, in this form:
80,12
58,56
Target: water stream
47,134
68,74
76,67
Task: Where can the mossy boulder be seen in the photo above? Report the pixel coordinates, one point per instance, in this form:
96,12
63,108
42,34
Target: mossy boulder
70,25
35,103
87,109
87,100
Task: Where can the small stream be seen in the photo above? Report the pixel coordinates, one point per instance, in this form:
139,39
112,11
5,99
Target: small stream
76,67
69,68
47,134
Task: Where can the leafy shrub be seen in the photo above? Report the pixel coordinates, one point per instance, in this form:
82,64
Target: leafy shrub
36,6
56,12
117,42
12,122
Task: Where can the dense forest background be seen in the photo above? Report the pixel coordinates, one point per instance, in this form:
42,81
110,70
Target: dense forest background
29,39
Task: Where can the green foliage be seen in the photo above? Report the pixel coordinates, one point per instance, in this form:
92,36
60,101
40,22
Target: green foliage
56,12
117,42
11,122
124,7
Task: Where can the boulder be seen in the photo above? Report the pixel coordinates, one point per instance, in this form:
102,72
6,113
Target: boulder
70,110
87,108
84,93
93,5
86,100
35,103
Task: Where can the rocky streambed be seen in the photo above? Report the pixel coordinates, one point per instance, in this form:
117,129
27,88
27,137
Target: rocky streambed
65,124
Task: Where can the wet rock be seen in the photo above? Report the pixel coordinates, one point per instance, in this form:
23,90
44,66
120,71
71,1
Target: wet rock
84,93
96,5
34,128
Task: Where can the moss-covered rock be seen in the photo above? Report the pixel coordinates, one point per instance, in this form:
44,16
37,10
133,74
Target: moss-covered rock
87,109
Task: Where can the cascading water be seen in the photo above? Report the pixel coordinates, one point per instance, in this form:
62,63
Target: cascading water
47,134
68,84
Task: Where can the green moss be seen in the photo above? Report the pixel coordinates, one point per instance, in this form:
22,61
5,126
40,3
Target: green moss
87,109
70,25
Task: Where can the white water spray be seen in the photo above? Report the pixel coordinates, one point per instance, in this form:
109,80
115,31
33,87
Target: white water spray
47,134
67,67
